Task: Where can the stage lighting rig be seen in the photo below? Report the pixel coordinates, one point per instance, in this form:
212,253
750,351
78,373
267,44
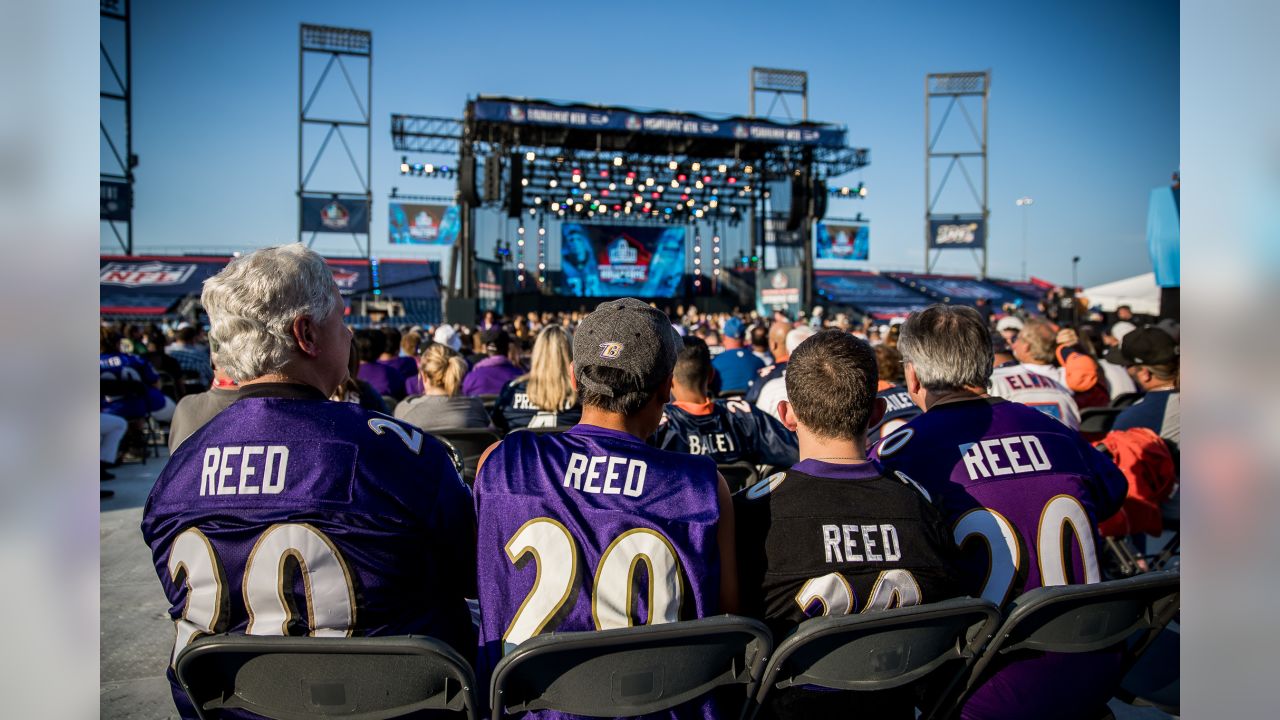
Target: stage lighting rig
446,172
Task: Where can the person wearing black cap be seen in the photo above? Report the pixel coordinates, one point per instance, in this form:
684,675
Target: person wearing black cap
488,376
591,528
1151,357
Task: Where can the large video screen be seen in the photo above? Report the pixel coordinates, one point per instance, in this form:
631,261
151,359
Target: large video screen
611,260
415,224
840,246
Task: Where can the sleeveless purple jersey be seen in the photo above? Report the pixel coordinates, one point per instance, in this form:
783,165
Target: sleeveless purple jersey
592,529
300,516
1024,495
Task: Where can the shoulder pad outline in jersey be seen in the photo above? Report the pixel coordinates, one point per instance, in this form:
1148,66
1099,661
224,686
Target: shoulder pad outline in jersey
766,486
908,481
893,443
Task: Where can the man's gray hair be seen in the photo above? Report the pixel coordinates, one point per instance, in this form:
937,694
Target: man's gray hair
949,346
253,302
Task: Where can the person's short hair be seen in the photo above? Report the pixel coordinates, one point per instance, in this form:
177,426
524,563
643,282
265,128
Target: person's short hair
253,302
759,337
109,340
949,346
889,364
799,334
391,339
628,395
409,343
1041,340
693,365
831,384
188,334
370,344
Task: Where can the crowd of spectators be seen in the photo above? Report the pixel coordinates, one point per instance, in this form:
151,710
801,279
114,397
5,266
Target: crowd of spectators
634,400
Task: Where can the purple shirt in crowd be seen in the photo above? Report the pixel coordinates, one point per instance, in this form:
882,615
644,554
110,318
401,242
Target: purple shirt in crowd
383,378
293,515
405,365
1024,494
489,375
592,529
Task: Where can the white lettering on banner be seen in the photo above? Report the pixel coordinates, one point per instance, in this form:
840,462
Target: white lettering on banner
984,459
599,475
221,474
956,234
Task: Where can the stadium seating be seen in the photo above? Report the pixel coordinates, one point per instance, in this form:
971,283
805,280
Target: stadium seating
631,671
470,443
876,651
1078,618
293,677
1098,420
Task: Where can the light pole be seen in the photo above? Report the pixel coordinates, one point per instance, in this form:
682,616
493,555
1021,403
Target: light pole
1024,203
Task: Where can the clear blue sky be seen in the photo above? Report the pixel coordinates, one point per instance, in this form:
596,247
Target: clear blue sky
1084,105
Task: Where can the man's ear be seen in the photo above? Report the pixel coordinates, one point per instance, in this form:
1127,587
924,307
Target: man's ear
787,414
912,380
304,333
878,409
573,377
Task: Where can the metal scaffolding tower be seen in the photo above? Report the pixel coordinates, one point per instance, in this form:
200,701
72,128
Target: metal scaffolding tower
958,227
116,120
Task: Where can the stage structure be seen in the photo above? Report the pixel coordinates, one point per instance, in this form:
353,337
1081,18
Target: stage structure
591,167
337,207
964,226
116,120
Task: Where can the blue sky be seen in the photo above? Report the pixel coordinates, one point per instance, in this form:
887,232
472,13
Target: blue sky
1083,118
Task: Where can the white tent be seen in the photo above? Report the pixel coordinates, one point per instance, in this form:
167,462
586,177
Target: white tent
1138,292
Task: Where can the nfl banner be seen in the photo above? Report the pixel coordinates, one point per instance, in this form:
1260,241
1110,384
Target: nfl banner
489,285
958,231
413,224
840,246
613,261
780,290
335,215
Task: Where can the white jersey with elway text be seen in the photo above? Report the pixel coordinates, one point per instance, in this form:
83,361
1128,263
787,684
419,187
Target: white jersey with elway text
1020,384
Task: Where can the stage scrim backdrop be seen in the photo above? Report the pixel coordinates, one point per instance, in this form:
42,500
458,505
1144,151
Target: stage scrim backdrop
610,260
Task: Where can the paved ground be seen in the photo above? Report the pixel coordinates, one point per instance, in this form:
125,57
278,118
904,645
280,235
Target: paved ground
137,635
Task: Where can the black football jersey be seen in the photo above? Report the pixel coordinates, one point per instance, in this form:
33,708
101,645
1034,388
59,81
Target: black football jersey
728,431
829,539
899,410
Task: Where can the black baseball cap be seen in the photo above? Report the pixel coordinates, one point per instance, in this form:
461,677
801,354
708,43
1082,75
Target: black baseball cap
628,335
1148,345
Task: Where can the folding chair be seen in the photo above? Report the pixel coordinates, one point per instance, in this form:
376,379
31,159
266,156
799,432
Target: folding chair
544,430
631,671
1098,420
738,474
291,678
882,650
489,401
1154,680
726,394
1124,400
470,443
1081,618
391,403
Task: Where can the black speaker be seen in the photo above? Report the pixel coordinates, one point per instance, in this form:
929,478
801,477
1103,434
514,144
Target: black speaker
467,180
800,193
819,200
515,187
493,178
461,311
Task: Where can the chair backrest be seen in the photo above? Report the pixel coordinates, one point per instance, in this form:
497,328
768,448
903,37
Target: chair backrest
1084,618
726,394
390,402
630,671
470,443
544,430
738,474
1124,400
489,401
306,677
1098,419
882,650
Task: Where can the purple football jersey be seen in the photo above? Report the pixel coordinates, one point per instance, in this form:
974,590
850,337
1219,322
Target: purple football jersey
292,516
574,526
1024,494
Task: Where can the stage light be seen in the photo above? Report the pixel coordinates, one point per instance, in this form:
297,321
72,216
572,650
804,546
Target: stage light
429,168
715,261
731,180
675,183
561,212
862,190
524,182
520,242
723,168
586,196
628,181
844,190
698,185
577,208
714,202
716,271
604,173
604,193
673,164
648,182
537,200
542,231
552,183
520,230
748,170
684,197
542,266
577,177
404,168
697,261
530,156
617,162
654,195
583,185
695,167
613,186
697,213
555,206
573,191
690,203
532,212
706,178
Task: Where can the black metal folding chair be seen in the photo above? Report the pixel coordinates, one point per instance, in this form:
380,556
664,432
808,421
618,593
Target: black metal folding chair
1078,619
489,401
738,474
1098,420
291,678
470,443
631,671
1124,400
544,430
884,650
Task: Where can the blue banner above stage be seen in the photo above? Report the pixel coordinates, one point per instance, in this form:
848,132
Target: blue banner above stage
958,232
609,260
613,119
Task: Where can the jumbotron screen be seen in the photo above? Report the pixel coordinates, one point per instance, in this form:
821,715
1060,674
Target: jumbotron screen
612,260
